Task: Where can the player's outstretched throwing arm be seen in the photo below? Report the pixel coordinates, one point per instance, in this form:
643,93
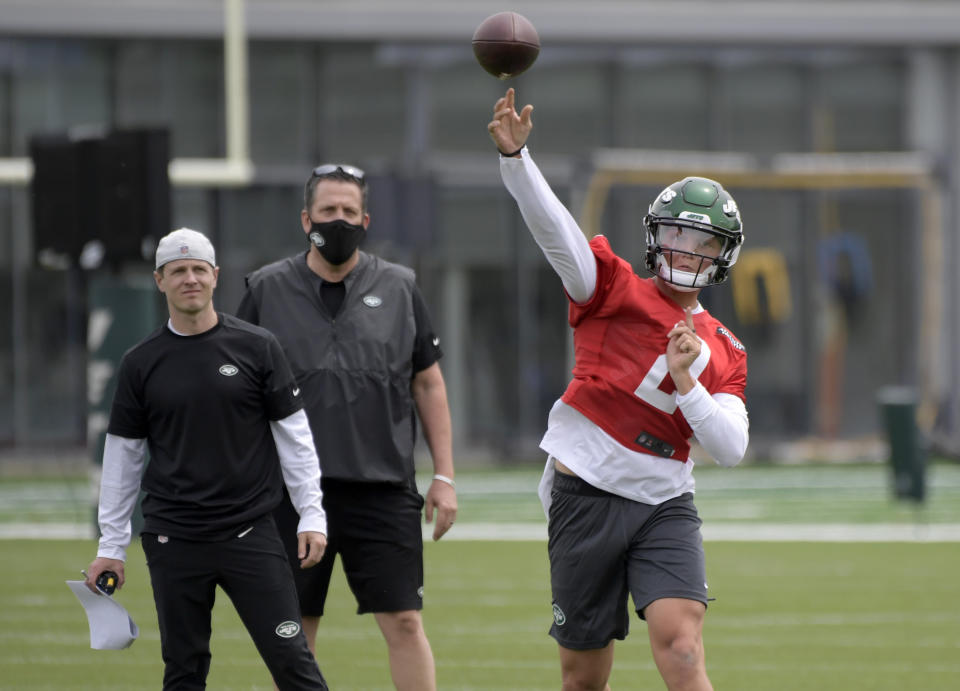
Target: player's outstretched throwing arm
549,221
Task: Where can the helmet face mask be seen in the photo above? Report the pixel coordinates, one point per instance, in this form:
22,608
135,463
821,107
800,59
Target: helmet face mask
694,234
688,256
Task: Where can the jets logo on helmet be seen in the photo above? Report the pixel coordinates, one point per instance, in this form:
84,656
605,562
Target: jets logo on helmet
694,233
690,216
667,195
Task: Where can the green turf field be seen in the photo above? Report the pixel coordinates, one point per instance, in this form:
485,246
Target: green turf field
749,493
788,616
791,614
857,494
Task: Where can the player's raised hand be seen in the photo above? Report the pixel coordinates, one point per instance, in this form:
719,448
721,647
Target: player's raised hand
508,129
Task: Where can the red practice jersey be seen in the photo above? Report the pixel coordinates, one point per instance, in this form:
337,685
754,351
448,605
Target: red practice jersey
620,379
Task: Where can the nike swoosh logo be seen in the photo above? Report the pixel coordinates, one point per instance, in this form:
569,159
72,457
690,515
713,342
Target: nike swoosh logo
245,532
296,391
436,341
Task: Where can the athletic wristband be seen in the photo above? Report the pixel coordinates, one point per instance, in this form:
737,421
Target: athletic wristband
444,478
503,153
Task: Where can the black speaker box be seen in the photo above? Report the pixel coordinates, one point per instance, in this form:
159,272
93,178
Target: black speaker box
55,197
113,188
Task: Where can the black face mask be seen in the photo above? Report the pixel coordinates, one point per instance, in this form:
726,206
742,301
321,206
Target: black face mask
336,240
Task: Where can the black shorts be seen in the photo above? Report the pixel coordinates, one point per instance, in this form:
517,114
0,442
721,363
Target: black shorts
376,528
603,547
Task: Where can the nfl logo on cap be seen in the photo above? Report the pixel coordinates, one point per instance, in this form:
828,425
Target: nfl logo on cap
185,243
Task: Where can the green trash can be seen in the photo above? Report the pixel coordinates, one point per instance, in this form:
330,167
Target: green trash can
908,463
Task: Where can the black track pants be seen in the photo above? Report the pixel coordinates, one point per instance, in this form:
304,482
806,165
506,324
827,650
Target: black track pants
253,570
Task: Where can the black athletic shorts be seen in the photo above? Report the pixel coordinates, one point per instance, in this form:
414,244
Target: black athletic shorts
376,528
603,547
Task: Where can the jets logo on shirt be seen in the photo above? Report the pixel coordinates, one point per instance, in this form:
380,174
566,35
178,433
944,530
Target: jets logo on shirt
373,301
228,370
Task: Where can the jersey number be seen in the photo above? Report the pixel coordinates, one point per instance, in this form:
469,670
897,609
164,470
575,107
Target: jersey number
649,389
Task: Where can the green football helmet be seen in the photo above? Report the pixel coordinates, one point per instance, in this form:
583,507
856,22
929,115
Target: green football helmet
694,233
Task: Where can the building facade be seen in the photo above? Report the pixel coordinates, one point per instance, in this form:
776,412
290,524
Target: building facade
840,299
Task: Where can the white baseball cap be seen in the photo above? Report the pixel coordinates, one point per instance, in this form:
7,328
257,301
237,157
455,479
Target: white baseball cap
185,243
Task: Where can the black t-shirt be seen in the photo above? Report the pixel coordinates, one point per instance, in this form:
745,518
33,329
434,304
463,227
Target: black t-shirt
204,404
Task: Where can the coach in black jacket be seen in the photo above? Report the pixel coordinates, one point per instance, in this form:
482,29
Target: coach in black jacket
359,339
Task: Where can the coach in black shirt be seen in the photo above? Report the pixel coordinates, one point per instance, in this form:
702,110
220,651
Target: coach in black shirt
214,402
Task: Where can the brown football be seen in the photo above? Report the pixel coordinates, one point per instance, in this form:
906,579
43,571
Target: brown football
506,44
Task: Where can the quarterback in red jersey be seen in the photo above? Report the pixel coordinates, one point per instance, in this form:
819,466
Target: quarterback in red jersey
653,370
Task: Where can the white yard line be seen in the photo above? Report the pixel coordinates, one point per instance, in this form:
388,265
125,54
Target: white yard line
727,531
737,532
46,531
831,532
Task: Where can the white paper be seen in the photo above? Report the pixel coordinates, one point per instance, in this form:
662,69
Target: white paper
111,628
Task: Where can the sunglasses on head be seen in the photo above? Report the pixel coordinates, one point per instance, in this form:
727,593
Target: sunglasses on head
332,168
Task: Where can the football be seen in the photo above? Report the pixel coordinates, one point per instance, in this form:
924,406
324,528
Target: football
506,44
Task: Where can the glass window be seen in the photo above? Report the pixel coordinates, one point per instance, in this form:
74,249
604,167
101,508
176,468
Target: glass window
517,353
8,51
474,227
283,103
492,354
7,330
59,86
174,84
196,90
462,97
145,80
663,106
361,102
56,360
863,106
516,340
866,231
764,108
571,112
260,225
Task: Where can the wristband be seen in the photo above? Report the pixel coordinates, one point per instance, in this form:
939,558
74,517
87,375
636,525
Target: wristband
503,153
444,478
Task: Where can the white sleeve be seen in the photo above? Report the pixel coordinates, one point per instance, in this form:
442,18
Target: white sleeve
123,461
719,423
301,470
552,226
